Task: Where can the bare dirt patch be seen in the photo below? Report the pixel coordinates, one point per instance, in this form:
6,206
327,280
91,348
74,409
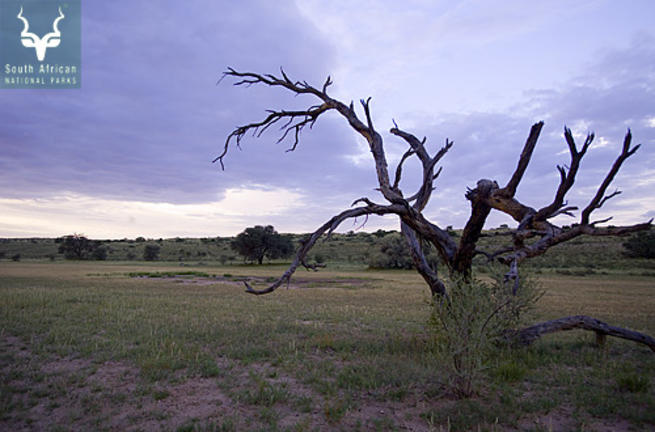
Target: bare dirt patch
67,392
46,392
42,394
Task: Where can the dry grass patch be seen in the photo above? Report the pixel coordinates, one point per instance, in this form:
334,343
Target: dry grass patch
85,346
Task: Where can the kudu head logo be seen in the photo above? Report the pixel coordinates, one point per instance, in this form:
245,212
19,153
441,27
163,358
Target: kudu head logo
49,40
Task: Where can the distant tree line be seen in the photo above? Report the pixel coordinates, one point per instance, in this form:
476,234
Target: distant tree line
379,250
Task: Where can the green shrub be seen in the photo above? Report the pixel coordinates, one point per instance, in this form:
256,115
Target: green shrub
632,382
472,320
510,371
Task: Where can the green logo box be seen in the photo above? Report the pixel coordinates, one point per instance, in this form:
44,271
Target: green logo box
40,44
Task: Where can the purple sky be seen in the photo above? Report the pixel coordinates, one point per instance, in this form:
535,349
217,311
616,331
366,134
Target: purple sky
130,152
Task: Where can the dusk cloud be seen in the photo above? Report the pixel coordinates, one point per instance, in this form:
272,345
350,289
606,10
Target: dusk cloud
138,138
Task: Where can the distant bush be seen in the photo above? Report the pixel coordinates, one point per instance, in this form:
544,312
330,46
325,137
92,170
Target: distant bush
99,253
632,382
15,257
641,245
2,255
76,246
140,239
151,252
131,256
381,233
393,253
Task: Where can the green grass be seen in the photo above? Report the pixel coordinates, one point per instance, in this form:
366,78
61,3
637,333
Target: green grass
160,274
82,342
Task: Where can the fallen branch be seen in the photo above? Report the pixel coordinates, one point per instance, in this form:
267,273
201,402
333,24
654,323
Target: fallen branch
528,335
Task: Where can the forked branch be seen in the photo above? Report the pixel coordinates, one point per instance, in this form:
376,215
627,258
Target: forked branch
599,199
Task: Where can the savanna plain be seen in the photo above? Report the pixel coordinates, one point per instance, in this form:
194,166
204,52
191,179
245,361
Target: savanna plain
178,345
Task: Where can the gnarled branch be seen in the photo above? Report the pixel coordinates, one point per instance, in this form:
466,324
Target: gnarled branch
528,335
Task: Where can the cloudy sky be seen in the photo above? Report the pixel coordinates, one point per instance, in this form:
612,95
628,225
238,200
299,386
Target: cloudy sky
129,153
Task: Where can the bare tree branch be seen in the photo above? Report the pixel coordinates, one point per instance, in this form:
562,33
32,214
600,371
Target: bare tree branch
399,168
566,178
328,228
600,197
306,117
510,189
422,196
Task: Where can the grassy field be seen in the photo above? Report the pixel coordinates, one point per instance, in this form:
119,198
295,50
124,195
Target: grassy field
159,346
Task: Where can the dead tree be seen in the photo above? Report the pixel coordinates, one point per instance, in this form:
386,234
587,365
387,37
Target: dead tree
532,224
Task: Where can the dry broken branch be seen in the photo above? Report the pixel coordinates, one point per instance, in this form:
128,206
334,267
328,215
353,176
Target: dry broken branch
530,334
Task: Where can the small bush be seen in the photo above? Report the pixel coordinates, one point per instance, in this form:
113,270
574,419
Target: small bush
264,393
15,257
632,382
394,253
641,245
99,253
510,371
472,320
151,252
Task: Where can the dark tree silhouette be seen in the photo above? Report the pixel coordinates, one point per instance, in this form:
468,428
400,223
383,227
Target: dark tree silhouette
258,242
151,252
76,246
533,235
